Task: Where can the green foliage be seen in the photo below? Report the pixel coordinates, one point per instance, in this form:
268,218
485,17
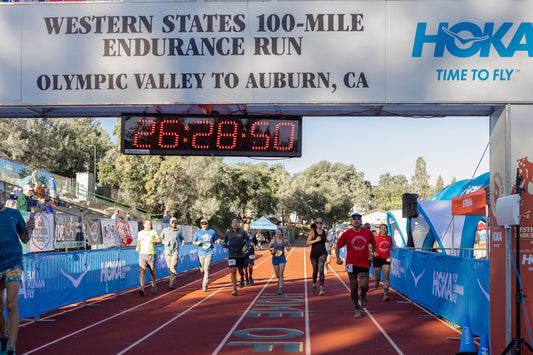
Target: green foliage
420,180
388,193
56,145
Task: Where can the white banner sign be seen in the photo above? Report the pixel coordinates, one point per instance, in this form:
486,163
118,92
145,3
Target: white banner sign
268,52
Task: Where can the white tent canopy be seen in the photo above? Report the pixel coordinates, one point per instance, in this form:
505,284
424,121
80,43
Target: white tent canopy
263,224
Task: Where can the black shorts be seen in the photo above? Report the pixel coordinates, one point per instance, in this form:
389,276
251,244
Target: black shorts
357,270
238,262
379,262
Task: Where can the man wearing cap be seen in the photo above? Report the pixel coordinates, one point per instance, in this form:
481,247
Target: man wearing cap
171,238
357,241
27,190
13,229
236,240
205,239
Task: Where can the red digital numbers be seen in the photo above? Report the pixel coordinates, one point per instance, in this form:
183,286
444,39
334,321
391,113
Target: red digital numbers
143,134
172,134
201,135
227,130
286,146
265,137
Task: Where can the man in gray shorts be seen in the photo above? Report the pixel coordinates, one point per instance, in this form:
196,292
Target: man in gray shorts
147,239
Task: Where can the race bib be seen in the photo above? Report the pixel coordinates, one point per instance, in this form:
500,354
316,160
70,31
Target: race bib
349,267
206,245
388,260
278,253
232,262
252,256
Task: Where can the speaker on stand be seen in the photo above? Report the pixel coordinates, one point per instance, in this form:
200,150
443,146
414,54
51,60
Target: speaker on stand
409,211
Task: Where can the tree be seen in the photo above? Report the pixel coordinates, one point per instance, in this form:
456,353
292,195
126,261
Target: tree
439,185
420,180
388,194
57,145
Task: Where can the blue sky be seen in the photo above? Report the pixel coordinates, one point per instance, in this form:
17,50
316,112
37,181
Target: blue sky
451,146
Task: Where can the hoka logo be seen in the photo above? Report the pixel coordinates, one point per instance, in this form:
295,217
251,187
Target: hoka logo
113,270
527,259
396,268
445,286
466,39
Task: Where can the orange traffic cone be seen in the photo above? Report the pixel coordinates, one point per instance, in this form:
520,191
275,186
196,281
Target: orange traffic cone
467,346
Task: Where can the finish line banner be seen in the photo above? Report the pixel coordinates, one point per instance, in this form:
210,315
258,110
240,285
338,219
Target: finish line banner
54,280
449,286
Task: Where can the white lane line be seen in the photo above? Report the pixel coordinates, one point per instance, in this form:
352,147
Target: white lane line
124,312
373,319
170,321
307,328
230,332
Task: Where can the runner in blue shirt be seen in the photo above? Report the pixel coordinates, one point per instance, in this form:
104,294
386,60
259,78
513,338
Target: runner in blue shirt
12,227
205,239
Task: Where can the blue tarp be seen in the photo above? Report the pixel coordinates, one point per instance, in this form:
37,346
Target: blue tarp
263,224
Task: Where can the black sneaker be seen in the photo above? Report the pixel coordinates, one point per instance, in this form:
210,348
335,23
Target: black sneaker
141,292
3,340
252,281
242,283
10,351
364,301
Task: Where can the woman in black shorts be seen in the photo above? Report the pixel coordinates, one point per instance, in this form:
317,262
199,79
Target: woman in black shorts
317,240
382,259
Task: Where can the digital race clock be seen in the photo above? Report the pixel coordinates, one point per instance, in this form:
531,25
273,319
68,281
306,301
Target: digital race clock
267,136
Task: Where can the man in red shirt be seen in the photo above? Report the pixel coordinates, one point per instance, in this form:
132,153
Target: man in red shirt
357,241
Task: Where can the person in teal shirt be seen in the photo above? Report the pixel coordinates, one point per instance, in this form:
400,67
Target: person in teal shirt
205,239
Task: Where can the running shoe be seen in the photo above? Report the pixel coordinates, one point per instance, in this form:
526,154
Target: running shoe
141,292
242,283
204,288
154,288
279,292
4,340
247,282
252,281
314,289
364,301
357,313
386,298
234,293
321,293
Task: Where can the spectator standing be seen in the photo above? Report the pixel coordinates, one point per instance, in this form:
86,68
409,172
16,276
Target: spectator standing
52,187
357,241
128,217
317,240
205,238
277,247
147,239
13,229
171,237
382,259
166,218
116,215
249,256
236,240
27,191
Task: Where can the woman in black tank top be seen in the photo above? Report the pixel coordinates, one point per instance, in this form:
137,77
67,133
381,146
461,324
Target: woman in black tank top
317,239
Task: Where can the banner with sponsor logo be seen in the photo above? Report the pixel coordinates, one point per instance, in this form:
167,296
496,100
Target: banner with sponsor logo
109,233
449,286
42,236
55,280
68,232
91,230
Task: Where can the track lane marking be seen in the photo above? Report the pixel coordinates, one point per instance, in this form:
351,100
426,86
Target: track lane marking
127,310
372,318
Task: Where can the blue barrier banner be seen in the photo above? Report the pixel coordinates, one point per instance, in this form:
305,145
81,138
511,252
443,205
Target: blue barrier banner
54,280
449,286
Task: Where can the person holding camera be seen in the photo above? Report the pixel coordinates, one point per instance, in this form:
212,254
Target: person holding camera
171,238
357,241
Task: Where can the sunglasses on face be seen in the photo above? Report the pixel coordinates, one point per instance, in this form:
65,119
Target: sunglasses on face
318,222
203,223
356,218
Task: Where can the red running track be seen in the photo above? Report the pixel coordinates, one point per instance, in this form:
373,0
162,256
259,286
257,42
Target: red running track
188,320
